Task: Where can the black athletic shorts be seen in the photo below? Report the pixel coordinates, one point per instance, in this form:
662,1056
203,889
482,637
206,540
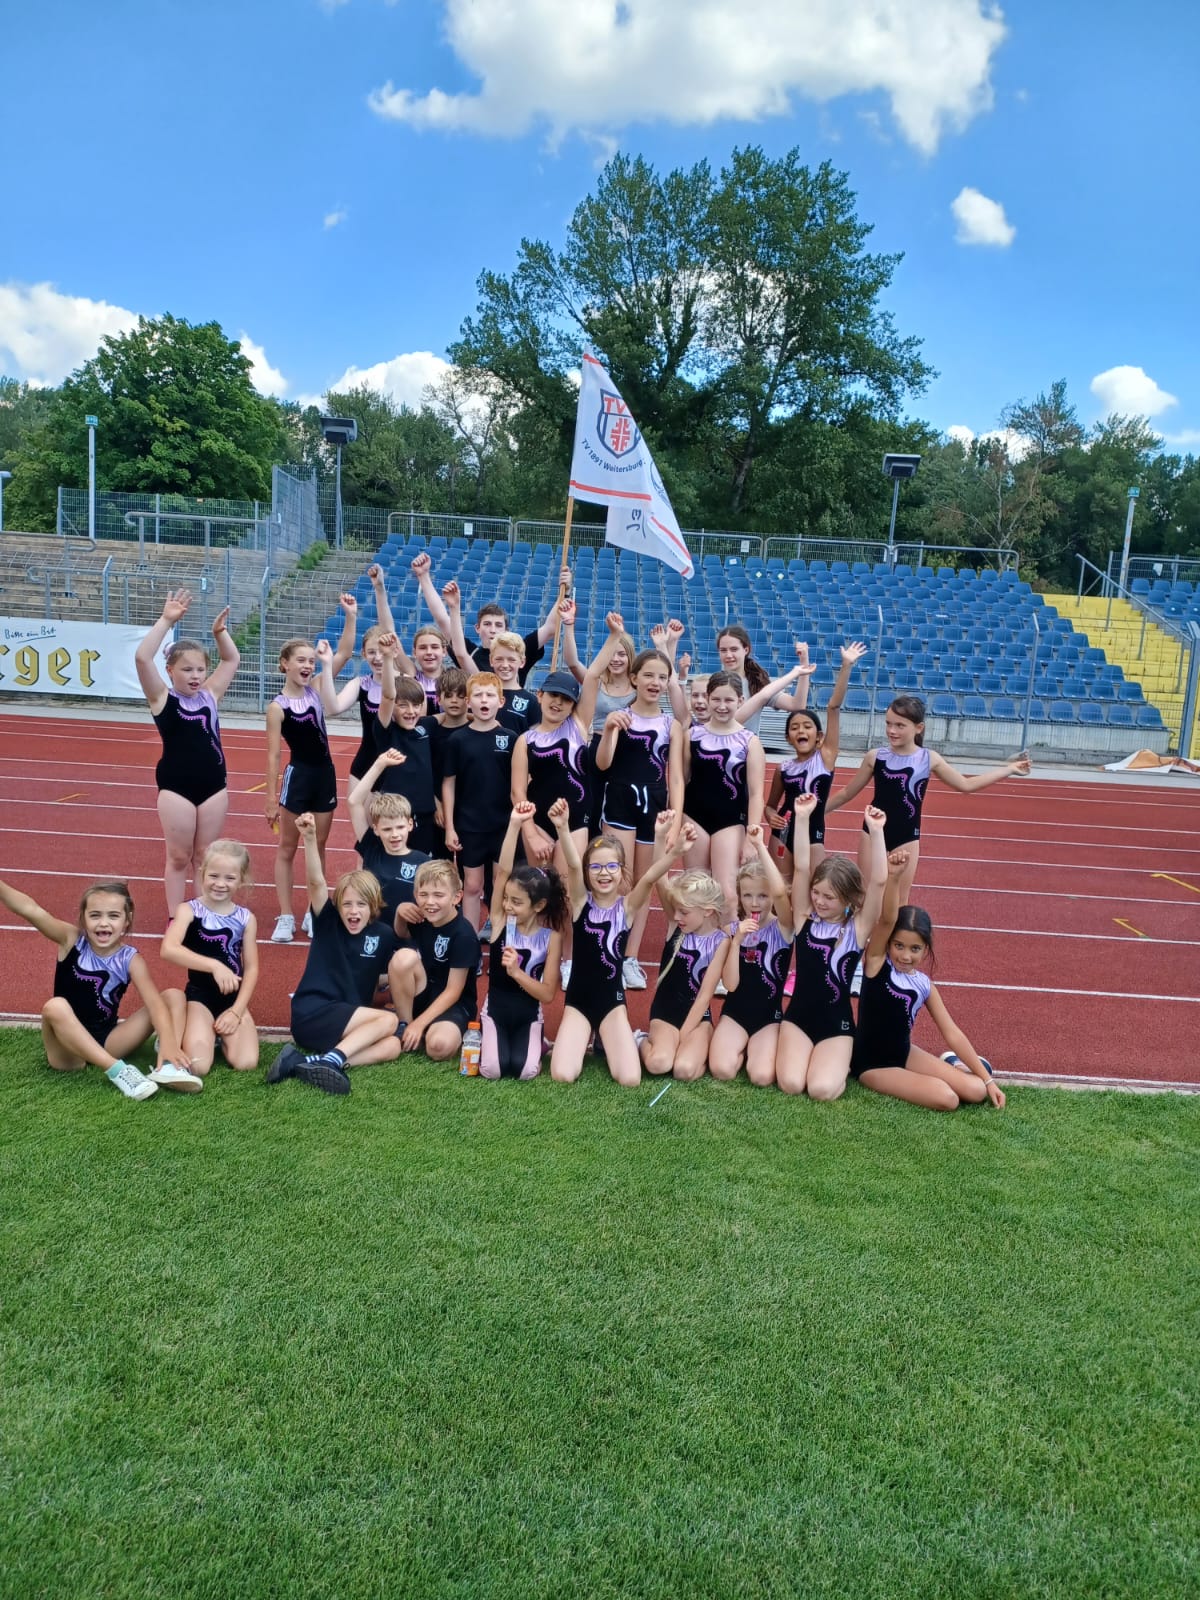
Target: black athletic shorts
319,1026
308,789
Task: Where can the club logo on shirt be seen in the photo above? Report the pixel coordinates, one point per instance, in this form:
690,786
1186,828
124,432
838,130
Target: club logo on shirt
370,944
408,873
440,946
502,741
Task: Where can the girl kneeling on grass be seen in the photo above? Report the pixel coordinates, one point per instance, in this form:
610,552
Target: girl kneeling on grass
595,999
334,1024
80,1026
894,990
529,908
681,1026
833,912
756,967
215,940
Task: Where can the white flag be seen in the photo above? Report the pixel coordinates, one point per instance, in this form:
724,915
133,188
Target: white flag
612,466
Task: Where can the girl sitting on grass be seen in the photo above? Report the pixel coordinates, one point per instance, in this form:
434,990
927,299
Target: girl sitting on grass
528,916
756,967
80,1026
216,941
893,991
681,1025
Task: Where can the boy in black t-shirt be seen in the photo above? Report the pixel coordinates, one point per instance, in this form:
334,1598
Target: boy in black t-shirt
400,726
477,788
452,696
433,974
333,1019
382,826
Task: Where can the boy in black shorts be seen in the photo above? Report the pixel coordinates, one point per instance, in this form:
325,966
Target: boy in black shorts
477,788
433,974
382,827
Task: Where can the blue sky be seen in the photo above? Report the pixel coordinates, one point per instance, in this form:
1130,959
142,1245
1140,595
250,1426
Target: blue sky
327,178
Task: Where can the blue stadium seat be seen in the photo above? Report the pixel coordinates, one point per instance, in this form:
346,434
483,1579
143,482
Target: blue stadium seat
963,682
974,705
990,683
1129,692
1120,716
1061,711
1102,689
1148,716
944,705
1002,706
858,700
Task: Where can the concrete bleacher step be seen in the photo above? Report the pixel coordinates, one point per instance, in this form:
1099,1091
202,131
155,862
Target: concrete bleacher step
1137,645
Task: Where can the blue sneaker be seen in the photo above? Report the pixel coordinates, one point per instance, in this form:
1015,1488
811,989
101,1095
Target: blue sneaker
285,1064
952,1060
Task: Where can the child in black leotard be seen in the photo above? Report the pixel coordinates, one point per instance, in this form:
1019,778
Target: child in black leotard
693,956
192,793
80,1025
756,966
893,992
811,772
833,912
297,718
726,769
529,914
640,761
902,769
595,1000
216,941
366,690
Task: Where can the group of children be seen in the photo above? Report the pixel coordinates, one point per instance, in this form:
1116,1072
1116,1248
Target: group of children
553,818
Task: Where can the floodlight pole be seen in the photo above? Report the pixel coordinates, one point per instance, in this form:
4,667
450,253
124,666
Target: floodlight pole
338,511
892,523
1133,500
92,424
4,476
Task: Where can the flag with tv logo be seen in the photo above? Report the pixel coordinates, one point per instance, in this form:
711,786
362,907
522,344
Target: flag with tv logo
612,466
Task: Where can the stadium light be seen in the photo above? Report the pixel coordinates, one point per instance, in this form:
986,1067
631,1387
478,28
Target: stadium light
4,477
896,468
339,431
92,424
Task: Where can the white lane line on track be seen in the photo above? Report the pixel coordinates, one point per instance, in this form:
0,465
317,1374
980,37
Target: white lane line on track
1090,994
1052,844
1054,933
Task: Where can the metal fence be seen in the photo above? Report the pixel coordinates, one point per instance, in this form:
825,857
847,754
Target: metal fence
1175,569
290,521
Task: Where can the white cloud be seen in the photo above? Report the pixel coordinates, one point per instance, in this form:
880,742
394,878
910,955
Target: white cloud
45,335
580,65
962,435
1131,392
333,218
1185,437
1016,445
265,378
404,378
980,220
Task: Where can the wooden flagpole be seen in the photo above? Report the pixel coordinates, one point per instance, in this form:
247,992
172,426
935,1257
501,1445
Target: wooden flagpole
563,582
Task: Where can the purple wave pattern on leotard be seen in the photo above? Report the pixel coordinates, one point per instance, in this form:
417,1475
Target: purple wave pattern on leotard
108,975
911,989
655,740
729,759
223,933
564,749
907,776
370,686
810,776
532,950
767,949
606,924
838,945
201,708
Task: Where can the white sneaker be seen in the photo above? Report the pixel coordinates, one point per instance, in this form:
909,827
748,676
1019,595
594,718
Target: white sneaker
721,989
133,1084
640,1036
856,980
565,973
285,929
632,975
306,924
169,1076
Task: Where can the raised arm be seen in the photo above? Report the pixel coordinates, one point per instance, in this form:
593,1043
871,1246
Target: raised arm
549,625
314,872
63,934
345,645
522,812
560,816
228,656
781,899
677,687
801,858
881,933
591,678
383,607
154,686
852,654
388,646
361,792
941,768
326,686
570,648
458,639
665,857
767,695
876,875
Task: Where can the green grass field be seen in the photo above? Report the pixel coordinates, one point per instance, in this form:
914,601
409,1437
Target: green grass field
448,1337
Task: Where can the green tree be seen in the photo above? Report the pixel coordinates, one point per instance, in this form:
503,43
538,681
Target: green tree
177,414
401,457
734,313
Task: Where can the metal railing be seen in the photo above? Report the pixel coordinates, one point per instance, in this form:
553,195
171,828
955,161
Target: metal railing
290,521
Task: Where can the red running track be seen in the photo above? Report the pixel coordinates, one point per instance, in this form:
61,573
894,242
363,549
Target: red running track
1067,912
